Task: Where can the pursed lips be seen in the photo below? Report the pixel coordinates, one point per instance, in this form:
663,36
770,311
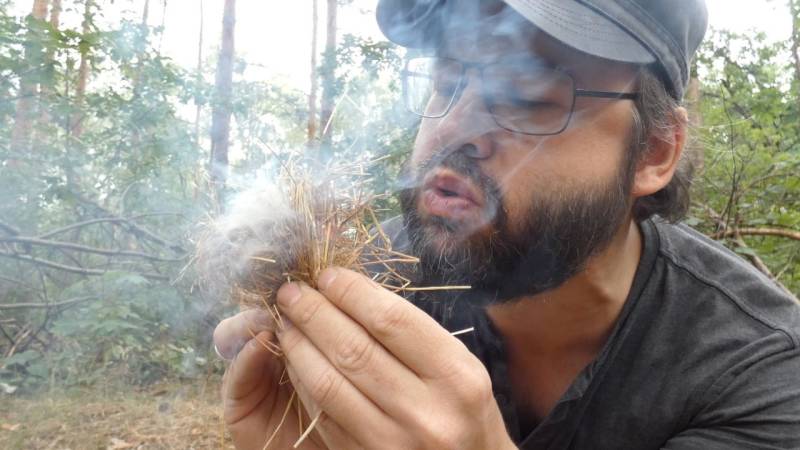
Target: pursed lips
450,195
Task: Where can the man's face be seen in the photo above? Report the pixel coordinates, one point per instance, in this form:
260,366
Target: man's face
511,213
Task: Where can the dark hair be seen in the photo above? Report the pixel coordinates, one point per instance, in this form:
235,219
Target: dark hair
655,118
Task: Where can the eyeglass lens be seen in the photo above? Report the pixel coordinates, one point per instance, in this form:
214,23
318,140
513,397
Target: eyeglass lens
522,98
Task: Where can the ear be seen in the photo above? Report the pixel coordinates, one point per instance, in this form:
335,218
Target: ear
657,166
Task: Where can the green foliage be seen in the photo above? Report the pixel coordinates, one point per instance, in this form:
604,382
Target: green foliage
370,122
120,155
751,140
120,168
117,173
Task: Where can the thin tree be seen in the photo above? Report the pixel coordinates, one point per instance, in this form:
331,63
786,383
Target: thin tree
49,60
329,75
312,96
794,9
199,75
140,53
163,26
76,120
693,99
28,87
221,111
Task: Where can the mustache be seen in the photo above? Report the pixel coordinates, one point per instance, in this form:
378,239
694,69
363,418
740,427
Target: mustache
459,162
455,159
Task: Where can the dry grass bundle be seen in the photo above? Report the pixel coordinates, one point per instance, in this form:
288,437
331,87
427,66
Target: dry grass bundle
291,231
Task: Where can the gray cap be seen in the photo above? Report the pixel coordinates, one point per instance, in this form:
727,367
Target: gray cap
666,32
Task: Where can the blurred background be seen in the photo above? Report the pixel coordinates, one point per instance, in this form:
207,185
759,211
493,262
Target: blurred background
126,123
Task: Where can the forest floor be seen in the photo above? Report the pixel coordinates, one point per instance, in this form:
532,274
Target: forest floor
174,415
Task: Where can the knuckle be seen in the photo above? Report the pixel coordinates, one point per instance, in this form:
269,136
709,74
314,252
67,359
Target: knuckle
307,311
343,286
447,441
325,389
393,320
469,381
354,353
476,389
442,434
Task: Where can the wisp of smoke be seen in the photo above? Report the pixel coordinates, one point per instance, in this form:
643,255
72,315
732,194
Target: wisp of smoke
291,230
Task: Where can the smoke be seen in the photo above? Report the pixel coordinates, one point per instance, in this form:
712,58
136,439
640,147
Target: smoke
258,221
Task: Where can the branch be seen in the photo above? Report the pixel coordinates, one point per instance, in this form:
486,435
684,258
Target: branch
86,249
133,228
48,305
79,225
73,269
775,232
8,229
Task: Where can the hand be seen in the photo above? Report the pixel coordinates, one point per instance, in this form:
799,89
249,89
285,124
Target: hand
253,398
382,372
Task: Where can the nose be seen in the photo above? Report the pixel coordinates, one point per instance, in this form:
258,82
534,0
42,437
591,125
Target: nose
469,126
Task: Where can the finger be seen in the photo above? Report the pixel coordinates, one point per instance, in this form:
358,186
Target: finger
234,332
331,434
402,328
339,400
251,377
352,351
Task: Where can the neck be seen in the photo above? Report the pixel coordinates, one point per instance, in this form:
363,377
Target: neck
579,315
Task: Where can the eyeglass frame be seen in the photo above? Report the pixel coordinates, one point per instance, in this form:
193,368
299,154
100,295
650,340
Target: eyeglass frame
465,66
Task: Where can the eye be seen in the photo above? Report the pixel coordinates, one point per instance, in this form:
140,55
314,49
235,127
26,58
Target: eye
444,83
520,102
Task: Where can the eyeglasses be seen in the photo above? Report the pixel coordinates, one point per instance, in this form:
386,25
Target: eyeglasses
525,98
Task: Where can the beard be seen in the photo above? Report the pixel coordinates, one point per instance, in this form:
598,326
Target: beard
557,234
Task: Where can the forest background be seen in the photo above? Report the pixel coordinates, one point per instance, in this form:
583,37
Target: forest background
123,126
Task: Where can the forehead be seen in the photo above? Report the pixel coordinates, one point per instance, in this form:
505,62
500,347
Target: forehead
494,32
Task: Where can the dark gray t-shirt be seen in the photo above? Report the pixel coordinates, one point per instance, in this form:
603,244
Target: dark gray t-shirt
705,355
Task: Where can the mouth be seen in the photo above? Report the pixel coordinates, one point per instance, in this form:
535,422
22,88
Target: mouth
451,196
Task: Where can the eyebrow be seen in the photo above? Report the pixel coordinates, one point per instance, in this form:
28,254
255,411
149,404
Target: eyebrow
522,58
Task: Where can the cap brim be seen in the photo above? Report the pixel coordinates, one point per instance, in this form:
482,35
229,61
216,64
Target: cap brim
584,29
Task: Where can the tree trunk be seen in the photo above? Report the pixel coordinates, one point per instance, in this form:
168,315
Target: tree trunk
312,97
163,26
146,12
45,89
199,78
693,98
329,76
137,75
76,121
28,89
221,112
794,9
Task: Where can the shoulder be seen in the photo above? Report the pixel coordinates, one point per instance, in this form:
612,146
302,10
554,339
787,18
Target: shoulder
712,275
706,337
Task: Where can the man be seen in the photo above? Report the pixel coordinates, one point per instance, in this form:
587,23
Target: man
548,156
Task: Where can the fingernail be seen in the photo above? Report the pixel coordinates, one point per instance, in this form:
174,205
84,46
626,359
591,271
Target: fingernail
326,278
216,350
288,294
228,352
